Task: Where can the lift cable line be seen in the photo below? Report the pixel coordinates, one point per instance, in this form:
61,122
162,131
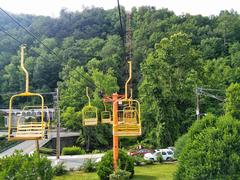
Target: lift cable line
5,32
34,36
29,32
20,43
122,32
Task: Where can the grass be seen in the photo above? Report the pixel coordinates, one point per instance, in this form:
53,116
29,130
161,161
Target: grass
150,172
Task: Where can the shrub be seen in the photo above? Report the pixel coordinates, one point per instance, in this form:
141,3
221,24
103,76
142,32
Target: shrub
139,160
120,175
105,167
149,162
72,151
22,167
59,169
89,166
213,152
159,158
96,151
3,137
47,151
180,143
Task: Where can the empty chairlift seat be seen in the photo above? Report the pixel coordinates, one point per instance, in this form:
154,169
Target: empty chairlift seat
129,123
89,116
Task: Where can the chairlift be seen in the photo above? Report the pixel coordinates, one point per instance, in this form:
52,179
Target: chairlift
89,113
106,117
28,127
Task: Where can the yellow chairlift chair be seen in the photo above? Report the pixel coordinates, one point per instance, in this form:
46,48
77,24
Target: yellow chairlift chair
26,129
129,117
106,117
28,122
89,113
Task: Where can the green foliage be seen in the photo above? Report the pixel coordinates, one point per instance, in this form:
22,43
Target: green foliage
47,151
232,103
105,167
159,158
59,169
1,120
96,151
139,160
72,151
120,175
180,144
172,56
89,166
170,74
212,151
25,167
149,162
5,144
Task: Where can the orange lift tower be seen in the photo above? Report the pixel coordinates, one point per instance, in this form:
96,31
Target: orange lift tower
126,117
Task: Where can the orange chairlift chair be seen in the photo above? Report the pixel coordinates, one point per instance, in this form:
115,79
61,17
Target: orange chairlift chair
26,127
89,113
129,121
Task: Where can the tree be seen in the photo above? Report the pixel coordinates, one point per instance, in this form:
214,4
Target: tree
73,99
232,103
212,151
170,74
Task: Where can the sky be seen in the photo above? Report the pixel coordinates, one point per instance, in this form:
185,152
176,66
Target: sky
53,7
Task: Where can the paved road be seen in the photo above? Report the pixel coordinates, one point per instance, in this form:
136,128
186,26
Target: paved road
76,161
30,146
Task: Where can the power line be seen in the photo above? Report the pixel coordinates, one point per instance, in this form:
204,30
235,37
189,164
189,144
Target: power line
34,36
29,32
1,29
19,42
5,32
122,32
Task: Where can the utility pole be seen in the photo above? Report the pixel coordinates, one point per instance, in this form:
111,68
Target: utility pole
58,125
197,105
205,92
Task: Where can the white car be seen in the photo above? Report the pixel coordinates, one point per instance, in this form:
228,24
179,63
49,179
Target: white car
167,154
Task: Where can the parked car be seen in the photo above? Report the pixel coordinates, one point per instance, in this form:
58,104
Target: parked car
139,152
167,155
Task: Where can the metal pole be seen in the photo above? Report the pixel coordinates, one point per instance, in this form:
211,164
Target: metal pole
58,127
115,137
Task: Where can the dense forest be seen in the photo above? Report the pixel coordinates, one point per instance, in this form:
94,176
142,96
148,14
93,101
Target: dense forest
172,56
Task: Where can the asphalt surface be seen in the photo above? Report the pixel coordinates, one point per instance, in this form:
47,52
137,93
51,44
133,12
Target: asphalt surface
30,146
76,161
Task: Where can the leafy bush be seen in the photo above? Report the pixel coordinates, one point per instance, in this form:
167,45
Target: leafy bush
72,151
212,151
47,151
3,137
96,151
105,167
120,175
25,167
180,143
59,169
89,166
139,160
149,162
159,158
